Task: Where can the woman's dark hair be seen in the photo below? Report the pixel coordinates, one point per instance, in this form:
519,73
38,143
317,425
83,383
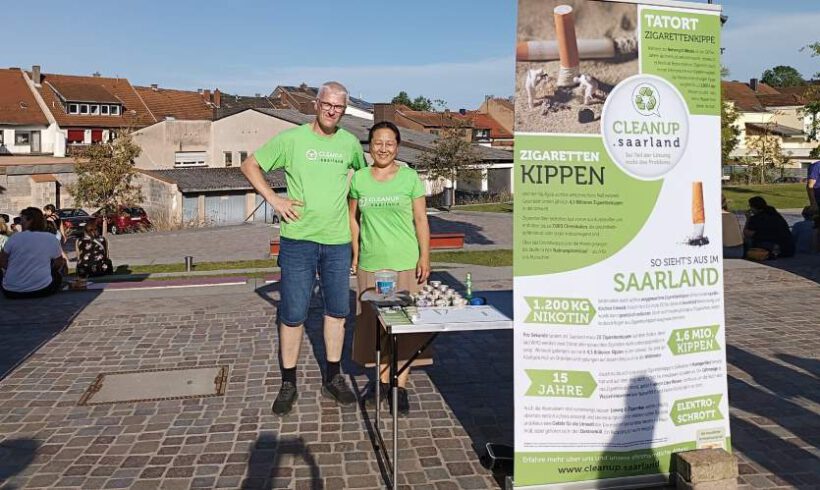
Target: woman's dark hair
92,229
758,202
35,217
50,208
384,125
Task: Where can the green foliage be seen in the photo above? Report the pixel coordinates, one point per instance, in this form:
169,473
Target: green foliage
729,133
451,156
782,76
420,103
812,96
764,153
105,174
814,51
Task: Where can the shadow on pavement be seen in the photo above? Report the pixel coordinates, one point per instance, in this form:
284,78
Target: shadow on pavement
15,456
28,324
266,469
473,234
806,266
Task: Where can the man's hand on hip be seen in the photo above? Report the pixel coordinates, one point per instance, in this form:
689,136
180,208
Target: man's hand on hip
286,208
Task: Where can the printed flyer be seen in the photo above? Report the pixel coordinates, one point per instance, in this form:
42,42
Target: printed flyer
619,319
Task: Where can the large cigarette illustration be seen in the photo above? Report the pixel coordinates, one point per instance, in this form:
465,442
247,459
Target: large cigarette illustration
567,45
698,215
588,49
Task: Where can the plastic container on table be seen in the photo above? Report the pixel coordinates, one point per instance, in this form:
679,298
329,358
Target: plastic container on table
386,282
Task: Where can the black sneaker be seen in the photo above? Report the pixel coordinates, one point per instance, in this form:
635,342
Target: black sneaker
284,400
404,402
370,395
338,390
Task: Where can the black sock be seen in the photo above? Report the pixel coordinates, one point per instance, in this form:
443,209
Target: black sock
333,368
289,375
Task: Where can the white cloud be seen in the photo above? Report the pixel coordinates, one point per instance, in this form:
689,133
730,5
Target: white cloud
461,84
755,41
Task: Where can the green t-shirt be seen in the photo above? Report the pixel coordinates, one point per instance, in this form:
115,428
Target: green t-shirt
316,171
388,235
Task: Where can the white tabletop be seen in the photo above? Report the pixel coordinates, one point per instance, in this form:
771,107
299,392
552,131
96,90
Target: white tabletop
468,318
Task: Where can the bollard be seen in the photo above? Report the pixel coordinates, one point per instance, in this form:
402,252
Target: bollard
189,263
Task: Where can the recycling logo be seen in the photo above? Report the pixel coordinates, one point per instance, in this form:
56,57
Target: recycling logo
645,100
311,154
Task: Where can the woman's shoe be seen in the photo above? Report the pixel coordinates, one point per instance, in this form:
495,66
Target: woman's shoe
370,395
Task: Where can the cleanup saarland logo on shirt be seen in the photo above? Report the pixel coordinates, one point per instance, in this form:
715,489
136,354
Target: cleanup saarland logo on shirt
324,156
378,201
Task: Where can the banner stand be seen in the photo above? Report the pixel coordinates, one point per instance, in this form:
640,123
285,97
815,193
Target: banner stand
625,483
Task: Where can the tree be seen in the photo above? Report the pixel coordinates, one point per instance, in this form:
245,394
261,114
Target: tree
105,174
814,51
764,151
420,103
729,133
451,157
782,76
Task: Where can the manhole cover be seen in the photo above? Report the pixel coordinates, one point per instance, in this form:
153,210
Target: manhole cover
155,385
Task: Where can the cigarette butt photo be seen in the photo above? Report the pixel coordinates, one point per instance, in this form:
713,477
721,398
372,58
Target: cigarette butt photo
698,213
567,45
698,216
588,49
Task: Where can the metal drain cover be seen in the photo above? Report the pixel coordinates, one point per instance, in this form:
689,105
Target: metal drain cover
155,385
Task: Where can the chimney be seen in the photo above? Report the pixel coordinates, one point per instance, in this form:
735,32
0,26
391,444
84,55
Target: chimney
35,75
154,87
753,84
384,112
206,94
217,98
199,91
463,112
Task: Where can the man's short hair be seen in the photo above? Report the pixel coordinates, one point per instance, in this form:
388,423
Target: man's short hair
333,87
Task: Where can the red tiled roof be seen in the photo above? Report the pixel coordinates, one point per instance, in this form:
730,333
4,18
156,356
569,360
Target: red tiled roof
765,89
436,119
17,104
179,104
134,112
803,90
781,100
744,98
485,121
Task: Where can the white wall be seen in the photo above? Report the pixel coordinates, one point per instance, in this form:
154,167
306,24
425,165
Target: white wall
353,111
245,131
46,139
160,142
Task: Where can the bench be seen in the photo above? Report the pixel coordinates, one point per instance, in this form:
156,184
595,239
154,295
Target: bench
438,241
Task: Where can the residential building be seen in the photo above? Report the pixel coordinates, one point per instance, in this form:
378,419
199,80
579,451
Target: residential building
434,123
25,128
487,131
500,110
301,99
762,110
89,109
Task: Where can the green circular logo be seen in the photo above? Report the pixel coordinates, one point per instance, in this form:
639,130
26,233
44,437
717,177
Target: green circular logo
645,100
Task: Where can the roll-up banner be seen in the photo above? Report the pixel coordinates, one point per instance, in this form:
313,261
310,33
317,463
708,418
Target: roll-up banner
620,357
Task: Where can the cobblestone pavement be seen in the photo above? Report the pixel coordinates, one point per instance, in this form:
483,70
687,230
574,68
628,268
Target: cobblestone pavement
464,400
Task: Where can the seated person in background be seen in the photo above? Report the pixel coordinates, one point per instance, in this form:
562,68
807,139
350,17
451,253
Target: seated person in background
766,229
803,233
31,259
92,253
5,232
732,234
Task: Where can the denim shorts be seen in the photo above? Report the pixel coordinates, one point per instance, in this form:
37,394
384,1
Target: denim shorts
300,261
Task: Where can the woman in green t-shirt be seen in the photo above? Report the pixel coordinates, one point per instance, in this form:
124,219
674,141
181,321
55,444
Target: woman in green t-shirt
388,220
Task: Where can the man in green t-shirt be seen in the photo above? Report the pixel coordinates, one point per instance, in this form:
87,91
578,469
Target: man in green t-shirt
315,234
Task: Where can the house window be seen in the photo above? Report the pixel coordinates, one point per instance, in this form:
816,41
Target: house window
96,135
22,138
2,138
228,158
104,110
242,156
190,159
83,108
434,132
94,109
115,110
75,136
73,109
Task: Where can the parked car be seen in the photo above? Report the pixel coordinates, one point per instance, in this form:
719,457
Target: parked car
125,219
74,220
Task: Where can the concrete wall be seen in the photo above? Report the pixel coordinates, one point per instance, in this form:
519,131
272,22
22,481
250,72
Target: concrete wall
161,200
160,142
21,191
245,131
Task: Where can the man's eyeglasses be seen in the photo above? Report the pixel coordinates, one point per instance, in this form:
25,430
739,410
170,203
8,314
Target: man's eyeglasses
327,106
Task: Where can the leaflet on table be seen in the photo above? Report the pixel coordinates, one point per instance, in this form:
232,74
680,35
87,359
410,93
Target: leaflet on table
619,323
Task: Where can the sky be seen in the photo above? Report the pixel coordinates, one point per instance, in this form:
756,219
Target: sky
454,50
